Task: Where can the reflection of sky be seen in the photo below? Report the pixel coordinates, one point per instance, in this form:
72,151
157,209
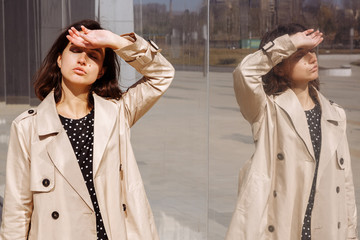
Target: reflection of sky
177,5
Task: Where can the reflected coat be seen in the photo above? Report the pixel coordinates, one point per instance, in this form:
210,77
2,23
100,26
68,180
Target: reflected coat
45,194
274,185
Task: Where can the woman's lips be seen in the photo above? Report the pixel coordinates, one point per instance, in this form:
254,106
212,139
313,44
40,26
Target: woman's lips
79,71
314,68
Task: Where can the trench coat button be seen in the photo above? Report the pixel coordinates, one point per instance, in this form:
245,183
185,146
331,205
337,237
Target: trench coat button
46,182
271,228
339,225
337,189
55,215
275,193
30,111
280,156
341,161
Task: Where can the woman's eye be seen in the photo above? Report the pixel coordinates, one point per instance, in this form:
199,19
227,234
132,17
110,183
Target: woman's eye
75,50
93,56
300,55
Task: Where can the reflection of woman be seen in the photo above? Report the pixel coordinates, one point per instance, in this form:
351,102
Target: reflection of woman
71,172
298,184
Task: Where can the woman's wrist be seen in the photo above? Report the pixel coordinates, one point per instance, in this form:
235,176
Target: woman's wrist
119,42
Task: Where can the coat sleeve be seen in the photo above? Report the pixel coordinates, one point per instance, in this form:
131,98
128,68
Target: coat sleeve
248,85
157,73
18,197
351,205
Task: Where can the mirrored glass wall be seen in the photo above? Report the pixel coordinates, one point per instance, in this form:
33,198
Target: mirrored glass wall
171,141
235,30
192,144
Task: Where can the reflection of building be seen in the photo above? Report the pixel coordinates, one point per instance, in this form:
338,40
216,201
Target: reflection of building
288,11
245,19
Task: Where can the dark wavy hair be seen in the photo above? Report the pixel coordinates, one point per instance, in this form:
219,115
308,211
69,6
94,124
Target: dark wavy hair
274,83
49,76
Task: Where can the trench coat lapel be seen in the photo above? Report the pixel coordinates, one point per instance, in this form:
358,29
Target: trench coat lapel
289,102
105,118
332,129
59,148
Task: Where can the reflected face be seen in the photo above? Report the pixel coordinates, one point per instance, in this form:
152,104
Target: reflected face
81,66
301,67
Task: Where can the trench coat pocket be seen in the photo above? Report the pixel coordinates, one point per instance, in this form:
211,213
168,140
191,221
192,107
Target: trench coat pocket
254,193
340,160
42,176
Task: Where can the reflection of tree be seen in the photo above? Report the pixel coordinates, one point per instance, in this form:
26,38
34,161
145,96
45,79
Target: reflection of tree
181,31
233,20
326,18
155,18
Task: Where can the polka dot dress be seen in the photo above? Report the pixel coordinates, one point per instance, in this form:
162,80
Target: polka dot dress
81,136
313,118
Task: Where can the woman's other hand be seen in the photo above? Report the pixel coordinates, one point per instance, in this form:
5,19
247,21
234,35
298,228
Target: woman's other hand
96,39
308,39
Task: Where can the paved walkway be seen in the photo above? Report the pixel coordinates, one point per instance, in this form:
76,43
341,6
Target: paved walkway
191,145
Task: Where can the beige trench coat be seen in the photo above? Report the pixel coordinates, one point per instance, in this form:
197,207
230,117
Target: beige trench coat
46,196
274,185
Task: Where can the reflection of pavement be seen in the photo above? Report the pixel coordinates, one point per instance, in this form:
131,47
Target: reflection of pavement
189,152
178,169
7,114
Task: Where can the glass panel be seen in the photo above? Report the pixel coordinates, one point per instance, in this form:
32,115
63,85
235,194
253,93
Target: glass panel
170,142
236,27
16,52
192,143
2,55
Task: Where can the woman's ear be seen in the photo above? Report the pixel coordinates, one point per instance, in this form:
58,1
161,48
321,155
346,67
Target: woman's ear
59,61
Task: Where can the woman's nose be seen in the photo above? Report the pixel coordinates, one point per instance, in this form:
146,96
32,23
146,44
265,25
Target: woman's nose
311,57
82,58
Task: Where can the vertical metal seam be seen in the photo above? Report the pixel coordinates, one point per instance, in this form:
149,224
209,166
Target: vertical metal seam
28,48
207,51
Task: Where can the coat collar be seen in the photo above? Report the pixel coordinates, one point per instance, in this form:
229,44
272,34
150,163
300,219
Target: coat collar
49,124
333,127
332,124
331,120
105,119
48,121
289,102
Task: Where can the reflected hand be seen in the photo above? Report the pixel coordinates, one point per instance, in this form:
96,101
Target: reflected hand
98,38
308,39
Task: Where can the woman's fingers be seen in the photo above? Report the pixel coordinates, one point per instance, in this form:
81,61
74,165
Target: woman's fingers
316,37
86,37
309,31
79,38
84,29
307,39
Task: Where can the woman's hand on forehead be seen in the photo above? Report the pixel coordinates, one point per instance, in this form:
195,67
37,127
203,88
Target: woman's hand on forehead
307,39
98,38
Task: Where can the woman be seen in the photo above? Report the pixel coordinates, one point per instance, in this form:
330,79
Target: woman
71,171
298,184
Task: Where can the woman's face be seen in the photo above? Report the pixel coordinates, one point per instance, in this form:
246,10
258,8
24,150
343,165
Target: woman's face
81,67
301,67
